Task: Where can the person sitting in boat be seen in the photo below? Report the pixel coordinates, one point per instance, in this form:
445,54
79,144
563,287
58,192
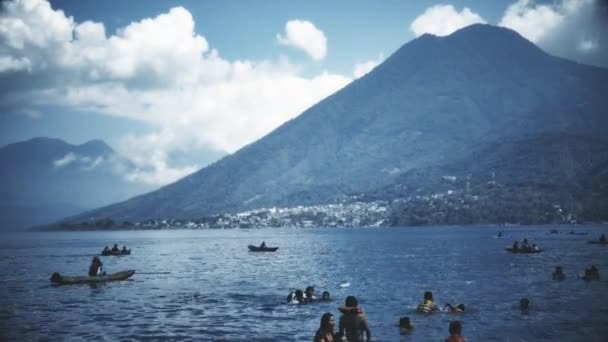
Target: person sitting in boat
525,247
499,234
405,325
124,250
524,305
455,309
558,274
603,238
263,245
428,305
516,247
325,297
95,267
115,248
106,250
309,294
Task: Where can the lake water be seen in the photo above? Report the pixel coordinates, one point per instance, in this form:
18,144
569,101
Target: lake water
204,285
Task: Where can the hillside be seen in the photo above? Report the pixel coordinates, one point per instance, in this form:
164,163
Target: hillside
483,103
45,179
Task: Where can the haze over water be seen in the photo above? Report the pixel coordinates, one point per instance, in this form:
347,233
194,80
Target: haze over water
205,285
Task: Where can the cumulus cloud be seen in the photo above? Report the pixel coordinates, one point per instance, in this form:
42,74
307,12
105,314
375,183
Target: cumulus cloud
304,35
85,163
65,161
574,29
365,67
442,20
158,71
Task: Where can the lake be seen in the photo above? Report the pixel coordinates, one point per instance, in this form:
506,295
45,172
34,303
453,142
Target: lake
205,285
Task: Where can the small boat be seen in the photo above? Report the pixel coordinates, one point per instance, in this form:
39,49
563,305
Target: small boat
58,279
253,248
519,251
596,242
119,253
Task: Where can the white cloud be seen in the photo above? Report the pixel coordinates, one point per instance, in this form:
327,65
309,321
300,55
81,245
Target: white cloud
365,67
8,63
65,161
587,45
531,20
574,29
442,20
86,163
305,36
161,72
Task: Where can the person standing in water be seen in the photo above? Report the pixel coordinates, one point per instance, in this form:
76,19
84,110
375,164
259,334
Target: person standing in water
353,324
326,329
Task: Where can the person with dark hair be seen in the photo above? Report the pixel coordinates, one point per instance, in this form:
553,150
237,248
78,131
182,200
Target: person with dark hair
405,325
326,297
95,267
516,247
106,250
326,329
428,305
558,274
115,248
309,294
296,297
124,250
524,305
455,309
353,323
603,238
455,330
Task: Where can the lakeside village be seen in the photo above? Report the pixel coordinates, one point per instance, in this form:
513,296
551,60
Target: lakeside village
450,207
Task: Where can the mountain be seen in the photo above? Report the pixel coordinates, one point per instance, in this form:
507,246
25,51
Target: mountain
43,180
479,115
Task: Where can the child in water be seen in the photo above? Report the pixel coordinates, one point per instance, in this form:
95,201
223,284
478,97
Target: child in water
405,325
455,332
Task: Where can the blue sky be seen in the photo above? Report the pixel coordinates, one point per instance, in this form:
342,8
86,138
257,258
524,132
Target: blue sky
172,85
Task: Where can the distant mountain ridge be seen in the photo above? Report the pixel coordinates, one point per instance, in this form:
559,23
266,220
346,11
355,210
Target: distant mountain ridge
482,104
45,179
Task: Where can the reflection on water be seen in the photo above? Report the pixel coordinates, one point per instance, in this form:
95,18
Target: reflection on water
205,285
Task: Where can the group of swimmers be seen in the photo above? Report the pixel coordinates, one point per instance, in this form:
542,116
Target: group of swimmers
354,327
591,273
353,324
306,297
